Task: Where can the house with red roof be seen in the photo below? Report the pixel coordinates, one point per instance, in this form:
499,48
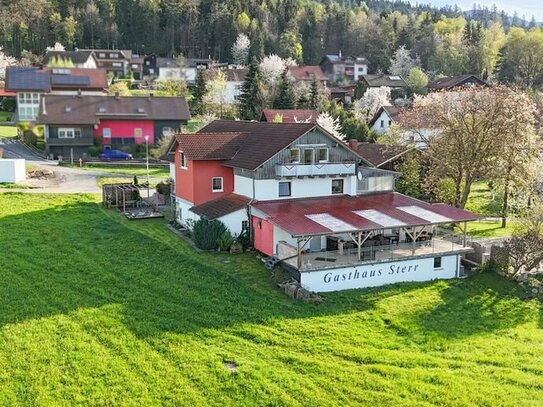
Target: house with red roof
307,73
290,115
313,204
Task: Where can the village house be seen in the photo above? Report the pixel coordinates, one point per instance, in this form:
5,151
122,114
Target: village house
290,115
162,68
381,155
74,123
395,82
384,118
312,204
79,58
455,83
307,73
232,89
30,84
339,68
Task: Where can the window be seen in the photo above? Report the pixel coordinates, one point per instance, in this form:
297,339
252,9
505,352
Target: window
116,64
216,184
101,55
437,262
323,155
166,131
106,132
113,55
308,156
284,189
66,133
138,132
382,123
390,122
147,63
182,160
77,133
294,155
337,186
244,225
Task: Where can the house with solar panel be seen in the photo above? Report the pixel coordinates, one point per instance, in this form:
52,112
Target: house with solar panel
30,84
313,205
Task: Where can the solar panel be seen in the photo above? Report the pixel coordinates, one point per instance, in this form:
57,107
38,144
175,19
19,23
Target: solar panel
70,80
330,222
380,218
424,214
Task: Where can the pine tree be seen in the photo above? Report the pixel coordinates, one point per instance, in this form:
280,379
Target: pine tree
314,93
285,98
199,92
251,99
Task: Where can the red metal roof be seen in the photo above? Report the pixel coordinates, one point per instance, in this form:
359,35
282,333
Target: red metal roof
290,214
290,115
6,93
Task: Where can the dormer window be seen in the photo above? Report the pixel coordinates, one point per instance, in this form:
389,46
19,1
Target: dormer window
295,155
323,154
68,109
141,110
113,55
101,110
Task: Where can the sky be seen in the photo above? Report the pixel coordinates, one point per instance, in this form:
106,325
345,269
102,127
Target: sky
526,7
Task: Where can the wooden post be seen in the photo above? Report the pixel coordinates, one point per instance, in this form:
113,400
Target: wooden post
464,239
299,259
359,243
414,238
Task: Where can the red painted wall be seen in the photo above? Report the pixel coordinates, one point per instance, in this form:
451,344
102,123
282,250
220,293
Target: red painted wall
194,184
125,128
263,235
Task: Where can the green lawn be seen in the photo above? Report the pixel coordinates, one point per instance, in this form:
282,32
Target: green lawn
140,172
8,131
482,201
99,310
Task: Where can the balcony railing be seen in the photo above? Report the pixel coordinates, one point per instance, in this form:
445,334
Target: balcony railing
76,141
315,169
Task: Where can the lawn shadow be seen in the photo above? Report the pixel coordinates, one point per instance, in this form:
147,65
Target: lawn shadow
482,303
61,259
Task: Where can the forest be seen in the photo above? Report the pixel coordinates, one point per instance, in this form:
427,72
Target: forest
447,41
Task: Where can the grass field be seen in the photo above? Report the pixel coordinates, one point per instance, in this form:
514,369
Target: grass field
140,172
8,131
99,310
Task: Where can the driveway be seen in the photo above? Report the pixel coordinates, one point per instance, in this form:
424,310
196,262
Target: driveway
64,180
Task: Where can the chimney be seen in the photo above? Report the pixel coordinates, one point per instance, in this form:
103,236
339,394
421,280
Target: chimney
339,54
353,143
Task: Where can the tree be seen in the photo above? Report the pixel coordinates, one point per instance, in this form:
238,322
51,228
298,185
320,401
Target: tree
5,61
119,88
290,46
285,98
402,63
172,87
410,182
57,47
330,124
60,62
373,99
522,252
513,169
199,91
417,81
240,49
314,93
216,94
468,132
251,98
272,67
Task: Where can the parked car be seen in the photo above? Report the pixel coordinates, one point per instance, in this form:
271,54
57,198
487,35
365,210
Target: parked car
110,155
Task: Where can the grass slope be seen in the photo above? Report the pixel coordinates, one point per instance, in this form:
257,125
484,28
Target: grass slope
98,310
140,172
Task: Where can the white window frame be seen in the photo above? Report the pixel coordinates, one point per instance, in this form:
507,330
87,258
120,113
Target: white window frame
106,132
101,55
66,132
138,132
213,186
183,164
327,154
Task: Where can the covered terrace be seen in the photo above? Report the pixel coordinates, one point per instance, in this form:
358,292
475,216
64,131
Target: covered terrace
317,233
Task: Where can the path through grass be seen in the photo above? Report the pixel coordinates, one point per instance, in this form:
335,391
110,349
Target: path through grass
99,310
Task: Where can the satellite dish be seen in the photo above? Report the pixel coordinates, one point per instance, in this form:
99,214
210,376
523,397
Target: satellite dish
359,175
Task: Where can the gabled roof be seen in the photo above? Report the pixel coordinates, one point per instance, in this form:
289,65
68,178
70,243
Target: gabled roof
455,81
232,74
77,57
345,213
167,62
379,154
291,115
341,59
221,206
62,109
263,139
307,72
392,111
210,146
45,80
378,80
20,78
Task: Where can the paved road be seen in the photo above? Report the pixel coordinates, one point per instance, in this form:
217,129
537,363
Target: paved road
66,180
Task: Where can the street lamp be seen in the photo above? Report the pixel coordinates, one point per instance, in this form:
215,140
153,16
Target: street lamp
147,161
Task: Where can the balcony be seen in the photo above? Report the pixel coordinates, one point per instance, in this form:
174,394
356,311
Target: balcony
315,169
76,141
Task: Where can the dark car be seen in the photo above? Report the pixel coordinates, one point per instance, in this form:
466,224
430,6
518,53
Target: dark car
109,154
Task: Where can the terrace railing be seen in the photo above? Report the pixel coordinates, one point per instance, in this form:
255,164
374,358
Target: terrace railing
315,169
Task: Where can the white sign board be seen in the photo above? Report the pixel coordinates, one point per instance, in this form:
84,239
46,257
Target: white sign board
373,275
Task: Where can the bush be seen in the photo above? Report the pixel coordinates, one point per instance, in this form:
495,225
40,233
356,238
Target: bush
206,233
225,240
163,188
94,151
